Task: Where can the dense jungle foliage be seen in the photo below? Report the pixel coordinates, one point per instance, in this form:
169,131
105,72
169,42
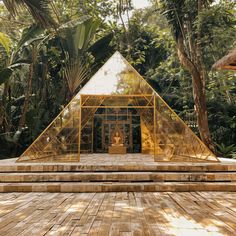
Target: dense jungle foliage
49,49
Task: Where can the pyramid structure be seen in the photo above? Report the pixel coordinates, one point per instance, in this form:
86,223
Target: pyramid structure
118,84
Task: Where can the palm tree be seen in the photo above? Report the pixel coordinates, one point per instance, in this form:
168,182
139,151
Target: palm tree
38,9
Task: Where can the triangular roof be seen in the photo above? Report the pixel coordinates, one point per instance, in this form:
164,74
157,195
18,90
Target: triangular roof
118,77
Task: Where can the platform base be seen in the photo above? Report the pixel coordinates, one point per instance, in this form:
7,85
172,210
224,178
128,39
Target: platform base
117,150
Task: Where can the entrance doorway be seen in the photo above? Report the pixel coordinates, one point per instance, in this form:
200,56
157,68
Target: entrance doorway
106,120
131,115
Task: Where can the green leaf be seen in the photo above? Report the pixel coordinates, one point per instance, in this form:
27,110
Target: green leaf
80,36
29,34
39,9
99,48
19,64
91,27
74,23
5,42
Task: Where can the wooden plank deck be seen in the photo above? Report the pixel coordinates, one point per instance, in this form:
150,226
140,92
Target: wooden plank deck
118,213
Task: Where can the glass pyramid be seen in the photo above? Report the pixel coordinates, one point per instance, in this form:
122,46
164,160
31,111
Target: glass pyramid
117,85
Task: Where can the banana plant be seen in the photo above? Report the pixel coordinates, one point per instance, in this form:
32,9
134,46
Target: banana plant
13,60
5,47
67,54
76,36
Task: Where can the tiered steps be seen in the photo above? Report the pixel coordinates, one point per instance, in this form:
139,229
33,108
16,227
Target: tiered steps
82,177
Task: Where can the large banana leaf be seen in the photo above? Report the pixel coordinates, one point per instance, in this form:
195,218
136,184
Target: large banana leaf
101,47
28,34
89,30
77,35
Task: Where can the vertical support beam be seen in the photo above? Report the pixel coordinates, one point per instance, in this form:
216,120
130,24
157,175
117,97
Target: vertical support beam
92,133
141,130
79,134
103,133
154,121
130,131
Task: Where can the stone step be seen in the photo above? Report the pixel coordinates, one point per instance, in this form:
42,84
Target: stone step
118,177
116,187
160,167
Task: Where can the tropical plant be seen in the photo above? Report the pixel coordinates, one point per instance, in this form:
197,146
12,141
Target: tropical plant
44,67
5,42
41,69
226,151
22,56
185,20
75,39
38,9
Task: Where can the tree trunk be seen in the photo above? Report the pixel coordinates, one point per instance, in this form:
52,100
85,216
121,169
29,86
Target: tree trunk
198,94
5,120
227,92
27,97
201,111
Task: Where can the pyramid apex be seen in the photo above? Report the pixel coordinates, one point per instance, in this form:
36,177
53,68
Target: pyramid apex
118,53
116,76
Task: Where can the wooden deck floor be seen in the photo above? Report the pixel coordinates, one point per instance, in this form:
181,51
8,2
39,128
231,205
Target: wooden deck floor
193,213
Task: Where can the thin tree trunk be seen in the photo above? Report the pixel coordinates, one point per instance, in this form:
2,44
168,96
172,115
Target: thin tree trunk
198,94
227,92
201,111
5,120
126,31
27,97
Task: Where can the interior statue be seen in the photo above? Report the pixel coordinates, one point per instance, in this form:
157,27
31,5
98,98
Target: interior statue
117,140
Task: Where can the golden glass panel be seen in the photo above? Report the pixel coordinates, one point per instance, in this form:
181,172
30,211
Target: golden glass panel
60,137
147,138
117,85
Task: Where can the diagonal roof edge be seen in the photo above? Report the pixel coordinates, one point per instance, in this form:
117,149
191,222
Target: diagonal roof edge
157,94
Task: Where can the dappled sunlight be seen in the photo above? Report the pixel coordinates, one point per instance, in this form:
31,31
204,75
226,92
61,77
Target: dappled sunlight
181,222
116,119
192,232
172,214
182,226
